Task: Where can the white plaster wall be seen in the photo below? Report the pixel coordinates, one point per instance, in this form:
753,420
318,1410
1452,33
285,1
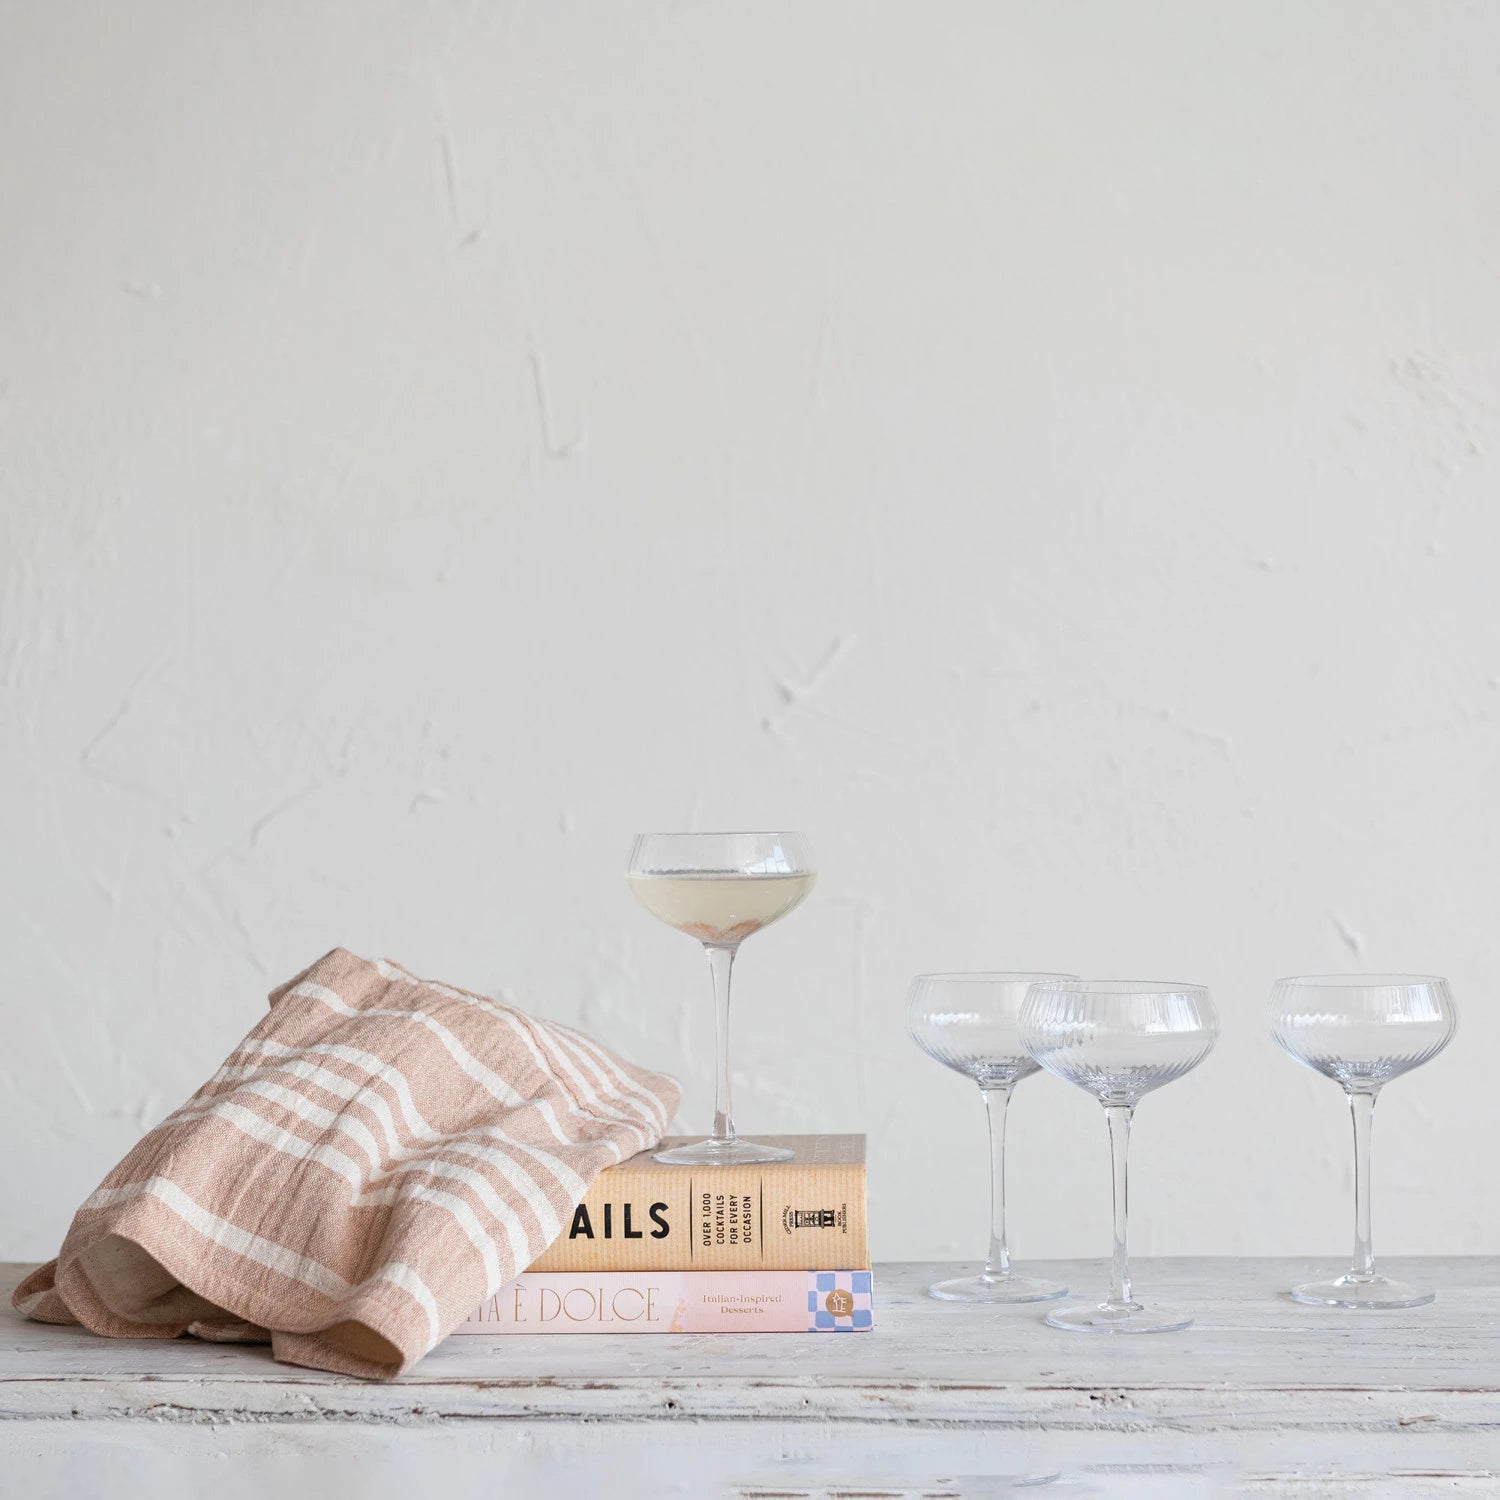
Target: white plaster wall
1045,450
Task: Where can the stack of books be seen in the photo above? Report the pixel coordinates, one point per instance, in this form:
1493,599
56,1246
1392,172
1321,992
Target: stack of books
779,1247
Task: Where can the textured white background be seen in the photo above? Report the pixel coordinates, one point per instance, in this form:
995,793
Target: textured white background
1043,450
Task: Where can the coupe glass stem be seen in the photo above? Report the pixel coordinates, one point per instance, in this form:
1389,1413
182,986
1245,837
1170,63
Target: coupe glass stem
720,962
1119,1116
1362,1108
996,1104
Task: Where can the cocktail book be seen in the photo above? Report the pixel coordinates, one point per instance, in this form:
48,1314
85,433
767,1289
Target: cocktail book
795,1215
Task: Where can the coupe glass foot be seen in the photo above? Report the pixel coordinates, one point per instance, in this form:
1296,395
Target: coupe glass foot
986,1485
984,1288
1367,1293
1119,1317
730,1153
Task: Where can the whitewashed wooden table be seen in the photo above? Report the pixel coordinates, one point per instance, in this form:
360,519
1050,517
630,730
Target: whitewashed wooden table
1261,1397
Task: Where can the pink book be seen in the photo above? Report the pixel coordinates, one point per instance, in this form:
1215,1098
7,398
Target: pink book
679,1302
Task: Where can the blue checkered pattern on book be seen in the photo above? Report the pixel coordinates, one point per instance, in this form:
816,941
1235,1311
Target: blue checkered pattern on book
860,1288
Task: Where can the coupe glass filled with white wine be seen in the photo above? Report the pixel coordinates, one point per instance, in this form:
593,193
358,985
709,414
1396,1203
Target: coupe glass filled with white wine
720,888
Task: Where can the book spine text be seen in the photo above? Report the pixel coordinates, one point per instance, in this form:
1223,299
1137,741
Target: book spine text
741,1218
680,1302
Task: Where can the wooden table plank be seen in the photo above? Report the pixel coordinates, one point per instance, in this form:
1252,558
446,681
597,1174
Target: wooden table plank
1286,1399
1250,1349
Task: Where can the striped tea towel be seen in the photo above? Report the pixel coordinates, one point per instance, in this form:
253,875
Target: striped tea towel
370,1164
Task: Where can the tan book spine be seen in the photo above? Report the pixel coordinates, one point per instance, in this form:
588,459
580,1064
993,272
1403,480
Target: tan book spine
781,1216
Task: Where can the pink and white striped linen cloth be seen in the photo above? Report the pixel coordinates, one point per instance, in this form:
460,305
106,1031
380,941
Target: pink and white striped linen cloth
372,1162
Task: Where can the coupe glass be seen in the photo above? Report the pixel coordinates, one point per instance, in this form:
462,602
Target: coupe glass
1118,1039
720,888
971,1023
1362,1030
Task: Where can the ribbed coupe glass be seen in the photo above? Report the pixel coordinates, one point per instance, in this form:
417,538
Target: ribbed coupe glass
1362,1030
1118,1039
721,888
971,1023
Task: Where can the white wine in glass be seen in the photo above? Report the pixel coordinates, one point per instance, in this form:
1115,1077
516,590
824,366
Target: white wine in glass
720,888
720,909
